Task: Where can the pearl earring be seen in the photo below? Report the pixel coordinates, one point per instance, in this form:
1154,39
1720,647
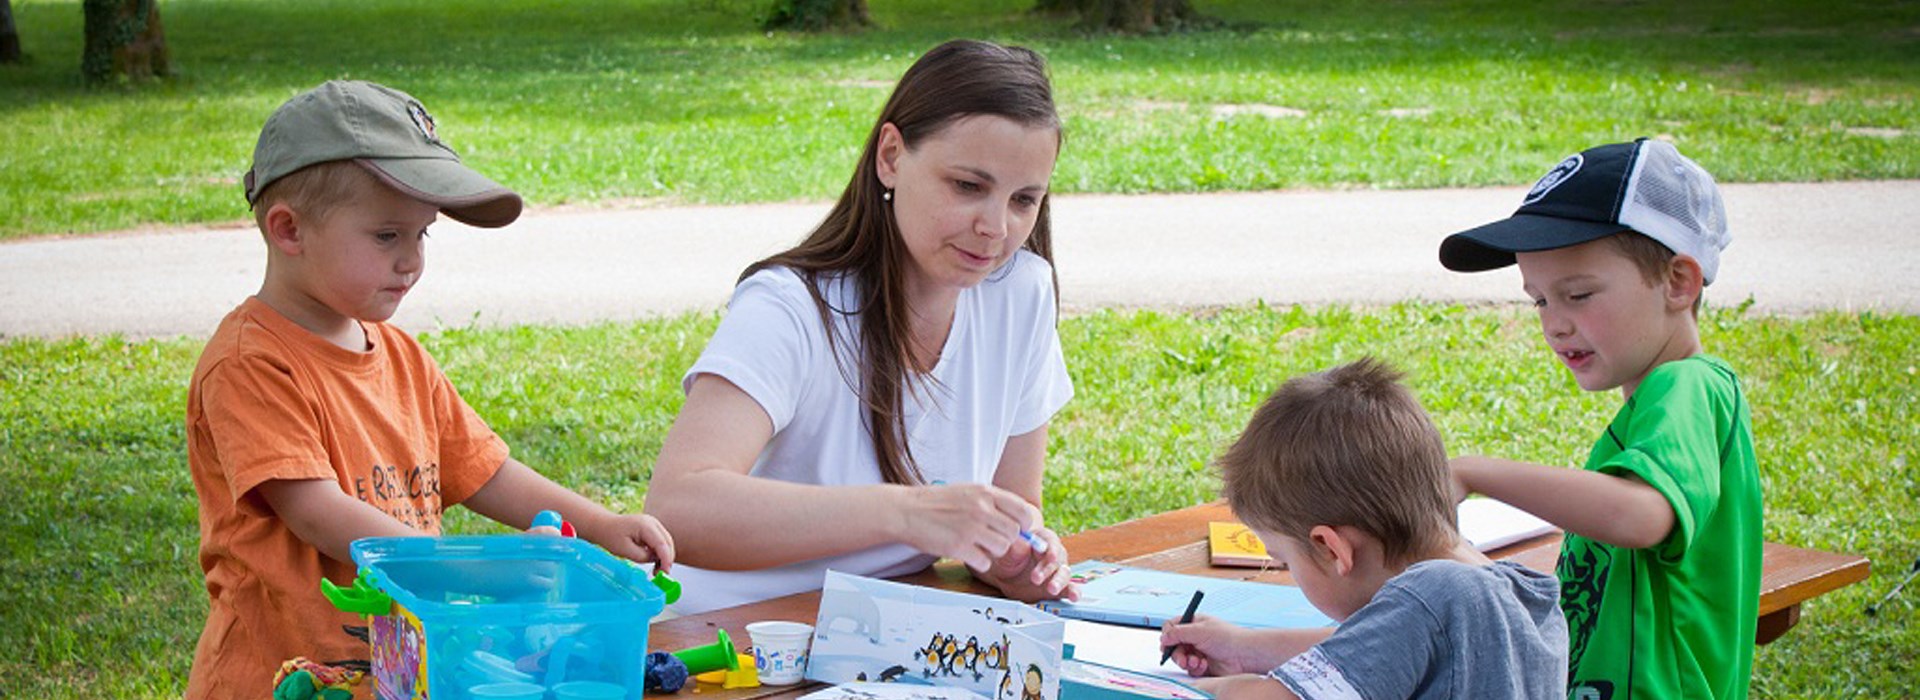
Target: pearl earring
887,196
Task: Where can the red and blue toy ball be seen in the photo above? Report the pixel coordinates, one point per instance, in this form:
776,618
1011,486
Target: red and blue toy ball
666,673
548,518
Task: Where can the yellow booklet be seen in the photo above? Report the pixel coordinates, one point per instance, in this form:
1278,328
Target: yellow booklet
1234,544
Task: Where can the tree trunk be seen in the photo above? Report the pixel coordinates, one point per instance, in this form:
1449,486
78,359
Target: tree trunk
9,34
1126,16
123,40
817,15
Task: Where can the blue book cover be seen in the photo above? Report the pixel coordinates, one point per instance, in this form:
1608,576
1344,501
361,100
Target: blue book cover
1127,595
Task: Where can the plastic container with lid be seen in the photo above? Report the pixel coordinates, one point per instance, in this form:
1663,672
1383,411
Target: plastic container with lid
454,618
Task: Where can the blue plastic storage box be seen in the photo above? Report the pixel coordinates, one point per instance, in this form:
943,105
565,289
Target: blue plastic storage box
484,616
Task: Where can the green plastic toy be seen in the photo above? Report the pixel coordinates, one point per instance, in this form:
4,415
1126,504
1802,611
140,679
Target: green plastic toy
668,587
711,657
361,598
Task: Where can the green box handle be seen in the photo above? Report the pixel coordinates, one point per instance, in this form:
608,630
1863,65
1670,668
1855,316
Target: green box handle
361,597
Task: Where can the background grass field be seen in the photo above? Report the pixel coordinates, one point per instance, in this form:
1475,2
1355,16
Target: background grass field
103,592
591,101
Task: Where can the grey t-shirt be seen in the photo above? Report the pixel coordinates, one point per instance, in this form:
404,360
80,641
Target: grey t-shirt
1443,629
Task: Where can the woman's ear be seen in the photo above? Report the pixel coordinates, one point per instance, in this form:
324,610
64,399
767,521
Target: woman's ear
282,229
886,156
1684,282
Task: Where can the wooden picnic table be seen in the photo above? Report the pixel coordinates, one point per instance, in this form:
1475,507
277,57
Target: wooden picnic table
1177,541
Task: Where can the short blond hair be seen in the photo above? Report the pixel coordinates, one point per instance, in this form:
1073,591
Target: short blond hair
316,190
1349,446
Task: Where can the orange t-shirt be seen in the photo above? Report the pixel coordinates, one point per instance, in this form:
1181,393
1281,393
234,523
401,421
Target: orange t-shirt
270,400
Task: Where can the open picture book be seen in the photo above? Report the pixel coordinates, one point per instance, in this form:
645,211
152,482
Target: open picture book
883,640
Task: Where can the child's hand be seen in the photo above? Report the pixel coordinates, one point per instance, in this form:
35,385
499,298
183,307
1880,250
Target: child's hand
1027,575
1209,646
637,537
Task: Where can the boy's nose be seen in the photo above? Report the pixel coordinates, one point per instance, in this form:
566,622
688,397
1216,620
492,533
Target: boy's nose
411,260
1554,326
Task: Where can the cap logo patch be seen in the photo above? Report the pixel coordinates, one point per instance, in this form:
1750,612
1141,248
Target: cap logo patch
1560,173
422,121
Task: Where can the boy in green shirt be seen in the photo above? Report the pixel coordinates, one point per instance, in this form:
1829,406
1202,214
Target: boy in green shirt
1660,569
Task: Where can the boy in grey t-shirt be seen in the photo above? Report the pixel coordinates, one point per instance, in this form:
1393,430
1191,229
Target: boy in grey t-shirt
1345,479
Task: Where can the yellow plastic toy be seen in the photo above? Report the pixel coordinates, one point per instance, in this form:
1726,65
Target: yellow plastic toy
744,675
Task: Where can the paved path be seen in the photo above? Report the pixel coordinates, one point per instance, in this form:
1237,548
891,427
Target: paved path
1797,247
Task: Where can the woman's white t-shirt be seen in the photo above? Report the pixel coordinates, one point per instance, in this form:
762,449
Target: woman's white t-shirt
1001,374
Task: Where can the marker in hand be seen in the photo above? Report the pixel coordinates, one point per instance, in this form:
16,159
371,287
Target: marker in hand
1039,545
1166,652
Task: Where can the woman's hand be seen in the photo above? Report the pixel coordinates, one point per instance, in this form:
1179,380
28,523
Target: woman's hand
1028,574
974,523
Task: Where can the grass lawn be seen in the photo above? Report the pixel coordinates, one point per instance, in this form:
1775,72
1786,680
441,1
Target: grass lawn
102,588
588,101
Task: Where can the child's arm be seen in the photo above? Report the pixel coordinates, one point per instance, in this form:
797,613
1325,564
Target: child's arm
322,515
1245,686
516,493
1622,511
1209,646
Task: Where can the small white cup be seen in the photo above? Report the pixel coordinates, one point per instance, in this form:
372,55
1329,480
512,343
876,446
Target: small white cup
780,650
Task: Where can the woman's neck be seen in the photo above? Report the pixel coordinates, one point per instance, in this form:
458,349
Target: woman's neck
929,323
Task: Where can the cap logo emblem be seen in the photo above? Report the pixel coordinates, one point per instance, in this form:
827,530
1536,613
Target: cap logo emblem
422,121
1560,173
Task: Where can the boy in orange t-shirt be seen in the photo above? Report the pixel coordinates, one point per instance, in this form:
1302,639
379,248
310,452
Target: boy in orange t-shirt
311,422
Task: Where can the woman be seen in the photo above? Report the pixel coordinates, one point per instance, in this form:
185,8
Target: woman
878,395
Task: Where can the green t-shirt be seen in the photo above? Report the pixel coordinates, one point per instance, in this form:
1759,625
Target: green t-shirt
1675,620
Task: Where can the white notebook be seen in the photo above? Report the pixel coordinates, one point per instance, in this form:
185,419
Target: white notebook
1491,524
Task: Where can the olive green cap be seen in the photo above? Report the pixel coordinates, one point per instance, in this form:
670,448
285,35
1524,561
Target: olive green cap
388,133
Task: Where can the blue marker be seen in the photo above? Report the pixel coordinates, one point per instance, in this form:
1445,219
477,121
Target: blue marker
1039,545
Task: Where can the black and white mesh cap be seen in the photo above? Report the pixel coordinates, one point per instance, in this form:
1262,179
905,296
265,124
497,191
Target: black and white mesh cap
1645,185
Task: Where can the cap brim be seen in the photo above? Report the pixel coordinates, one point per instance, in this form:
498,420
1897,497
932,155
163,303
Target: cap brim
463,194
1492,246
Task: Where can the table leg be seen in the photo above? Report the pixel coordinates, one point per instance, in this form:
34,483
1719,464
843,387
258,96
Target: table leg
1776,623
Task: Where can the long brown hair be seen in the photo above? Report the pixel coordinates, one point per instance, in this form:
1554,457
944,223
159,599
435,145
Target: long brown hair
861,241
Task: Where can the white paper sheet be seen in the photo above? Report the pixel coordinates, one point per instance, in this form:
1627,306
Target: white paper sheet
1491,524
1130,648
